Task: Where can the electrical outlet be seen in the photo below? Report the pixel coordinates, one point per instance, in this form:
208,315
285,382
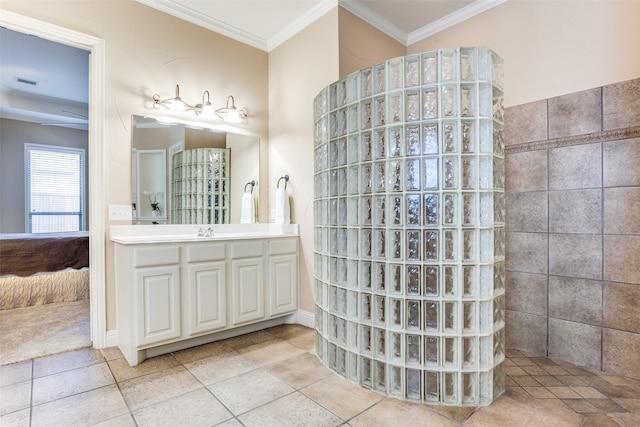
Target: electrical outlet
120,213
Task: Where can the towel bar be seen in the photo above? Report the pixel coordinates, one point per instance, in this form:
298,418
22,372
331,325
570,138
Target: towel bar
251,183
286,179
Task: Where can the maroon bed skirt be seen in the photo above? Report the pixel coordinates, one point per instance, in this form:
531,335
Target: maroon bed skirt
27,254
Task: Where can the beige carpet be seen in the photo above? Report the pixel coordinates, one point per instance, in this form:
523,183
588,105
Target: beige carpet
42,330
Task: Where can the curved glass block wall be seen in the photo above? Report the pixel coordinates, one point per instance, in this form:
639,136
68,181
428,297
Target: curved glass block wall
409,227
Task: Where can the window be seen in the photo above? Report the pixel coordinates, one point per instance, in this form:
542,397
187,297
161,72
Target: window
55,188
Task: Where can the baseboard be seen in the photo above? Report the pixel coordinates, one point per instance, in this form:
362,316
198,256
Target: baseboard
112,338
305,318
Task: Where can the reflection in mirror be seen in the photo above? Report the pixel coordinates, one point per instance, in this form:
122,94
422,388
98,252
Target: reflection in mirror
183,174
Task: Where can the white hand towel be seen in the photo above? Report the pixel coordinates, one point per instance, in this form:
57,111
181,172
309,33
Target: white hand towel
247,211
283,215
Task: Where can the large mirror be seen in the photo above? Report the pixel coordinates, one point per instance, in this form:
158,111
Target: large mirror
183,174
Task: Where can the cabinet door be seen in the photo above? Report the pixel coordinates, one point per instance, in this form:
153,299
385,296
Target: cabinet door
283,284
158,294
248,290
206,297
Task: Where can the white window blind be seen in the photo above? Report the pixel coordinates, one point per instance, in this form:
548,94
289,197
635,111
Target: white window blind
55,188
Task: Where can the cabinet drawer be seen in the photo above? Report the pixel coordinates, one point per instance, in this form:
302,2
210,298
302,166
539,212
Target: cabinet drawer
254,248
283,246
158,255
198,252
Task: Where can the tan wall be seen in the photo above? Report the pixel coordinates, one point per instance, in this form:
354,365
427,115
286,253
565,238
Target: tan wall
298,70
552,48
150,52
362,45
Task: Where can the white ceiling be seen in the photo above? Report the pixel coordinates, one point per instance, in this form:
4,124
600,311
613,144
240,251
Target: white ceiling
61,72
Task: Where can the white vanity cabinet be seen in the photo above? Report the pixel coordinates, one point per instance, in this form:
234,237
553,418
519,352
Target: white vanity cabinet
174,295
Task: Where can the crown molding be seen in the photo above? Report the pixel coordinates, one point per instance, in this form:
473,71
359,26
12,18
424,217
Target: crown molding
475,8
207,22
301,23
370,17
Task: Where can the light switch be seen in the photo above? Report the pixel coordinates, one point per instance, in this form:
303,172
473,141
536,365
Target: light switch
120,213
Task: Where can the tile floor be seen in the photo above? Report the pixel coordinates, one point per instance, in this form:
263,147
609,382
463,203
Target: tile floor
273,378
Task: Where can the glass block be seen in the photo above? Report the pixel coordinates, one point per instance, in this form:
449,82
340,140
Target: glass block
342,122
396,312
352,243
379,176
365,146
413,280
431,351
467,100
486,281
450,209
333,125
352,304
413,245
499,276
412,173
485,100
498,139
450,317
365,339
450,177
431,245
365,243
365,275
342,331
450,101
431,386
449,348
430,169
498,105
379,210
431,315
430,277
430,138
413,209
469,352
380,337
333,96
413,349
342,182
380,376
498,345
395,276
379,276
394,176
412,70
395,210
333,239
353,151
412,106
469,280
352,87
341,93
379,146
365,178
379,111
366,83
365,372
486,321
395,74
469,201
468,64
412,141
395,140
430,209
396,383
450,281
450,245
353,180
469,245
395,248
498,173
379,243
498,242
341,362
448,65
450,137
429,67
395,106
379,80
469,173
395,346
498,380
430,103
469,387
413,315
366,115
414,384
352,271
352,367
498,312
468,136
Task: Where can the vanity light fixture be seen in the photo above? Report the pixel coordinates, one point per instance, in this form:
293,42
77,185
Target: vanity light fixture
228,113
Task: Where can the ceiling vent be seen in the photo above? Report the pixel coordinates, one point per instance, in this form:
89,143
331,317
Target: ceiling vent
26,81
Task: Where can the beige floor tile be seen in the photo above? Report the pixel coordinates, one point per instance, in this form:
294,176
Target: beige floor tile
540,392
214,369
203,351
16,419
581,406
122,371
522,361
158,386
289,330
112,353
268,352
66,361
342,397
508,412
588,392
514,370
291,410
627,420
195,408
606,405
457,413
548,380
15,397
248,391
72,382
305,341
15,373
598,420
526,381
564,393
246,340
230,423
555,370
396,413
82,409
571,381
121,421
631,405
300,371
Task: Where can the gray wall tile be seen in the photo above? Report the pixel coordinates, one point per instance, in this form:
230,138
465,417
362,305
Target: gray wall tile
526,332
527,211
619,351
621,259
526,252
575,211
621,163
575,167
526,171
575,255
621,105
574,342
578,300
621,306
621,210
525,123
526,292
577,113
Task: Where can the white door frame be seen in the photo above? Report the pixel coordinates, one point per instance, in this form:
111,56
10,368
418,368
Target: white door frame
96,47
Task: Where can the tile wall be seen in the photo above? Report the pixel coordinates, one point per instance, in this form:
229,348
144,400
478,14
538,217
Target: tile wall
573,227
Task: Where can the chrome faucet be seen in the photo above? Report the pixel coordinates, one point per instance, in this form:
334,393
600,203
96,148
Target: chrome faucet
202,232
